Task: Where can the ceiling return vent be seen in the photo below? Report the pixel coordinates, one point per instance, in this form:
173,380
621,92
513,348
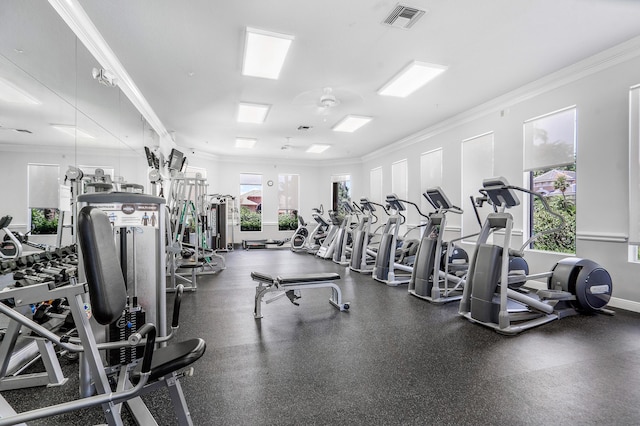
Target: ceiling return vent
403,17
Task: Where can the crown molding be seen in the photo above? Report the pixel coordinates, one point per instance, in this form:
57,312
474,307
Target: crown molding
70,150
78,21
268,160
347,162
608,58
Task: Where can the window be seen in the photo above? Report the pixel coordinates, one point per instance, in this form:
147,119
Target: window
399,179
250,202
430,174
340,192
375,185
477,165
634,173
43,198
288,205
550,168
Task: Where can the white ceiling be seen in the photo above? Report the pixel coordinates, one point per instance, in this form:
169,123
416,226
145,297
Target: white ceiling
186,57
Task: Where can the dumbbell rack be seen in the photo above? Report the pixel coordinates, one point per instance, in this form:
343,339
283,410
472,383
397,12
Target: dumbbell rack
28,288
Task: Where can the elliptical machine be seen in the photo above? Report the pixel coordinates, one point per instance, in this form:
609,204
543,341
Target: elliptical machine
302,240
440,267
326,249
574,285
362,255
392,267
344,235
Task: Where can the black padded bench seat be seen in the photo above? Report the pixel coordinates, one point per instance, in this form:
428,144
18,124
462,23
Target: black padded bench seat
291,284
295,279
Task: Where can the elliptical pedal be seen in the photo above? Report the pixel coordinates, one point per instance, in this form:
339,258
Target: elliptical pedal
547,294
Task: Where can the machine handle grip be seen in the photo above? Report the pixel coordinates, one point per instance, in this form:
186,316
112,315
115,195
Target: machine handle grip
176,306
149,331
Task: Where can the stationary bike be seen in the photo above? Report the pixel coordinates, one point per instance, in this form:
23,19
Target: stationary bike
10,246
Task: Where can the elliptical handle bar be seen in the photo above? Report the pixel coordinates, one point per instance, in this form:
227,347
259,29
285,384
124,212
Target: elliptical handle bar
383,207
547,209
416,207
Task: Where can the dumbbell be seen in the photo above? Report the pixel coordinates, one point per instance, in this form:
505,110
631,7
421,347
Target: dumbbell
7,266
24,261
58,274
25,274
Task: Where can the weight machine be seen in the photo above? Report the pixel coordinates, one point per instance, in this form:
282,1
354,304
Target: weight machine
190,232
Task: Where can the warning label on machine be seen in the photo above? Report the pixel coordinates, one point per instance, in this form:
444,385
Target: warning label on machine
131,214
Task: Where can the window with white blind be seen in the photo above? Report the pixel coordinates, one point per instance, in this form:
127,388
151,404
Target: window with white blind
375,185
477,165
399,184
44,205
430,174
550,169
634,173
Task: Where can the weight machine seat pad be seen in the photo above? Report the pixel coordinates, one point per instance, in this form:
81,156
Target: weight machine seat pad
307,278
190,265
259,276
172,358
107,290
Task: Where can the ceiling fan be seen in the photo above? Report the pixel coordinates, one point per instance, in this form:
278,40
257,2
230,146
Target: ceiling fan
324,100
15,129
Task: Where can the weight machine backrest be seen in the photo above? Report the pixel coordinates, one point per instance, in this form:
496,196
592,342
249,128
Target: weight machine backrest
107,290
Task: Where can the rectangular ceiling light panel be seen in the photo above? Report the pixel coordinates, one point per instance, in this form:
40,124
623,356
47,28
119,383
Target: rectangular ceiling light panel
73,131
264,53
351,123
252,113
13,94
245,143
411,78
318,148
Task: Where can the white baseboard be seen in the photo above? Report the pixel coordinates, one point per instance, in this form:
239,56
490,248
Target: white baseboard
627,305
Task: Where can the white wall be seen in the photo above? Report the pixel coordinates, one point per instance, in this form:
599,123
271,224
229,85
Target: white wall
599,89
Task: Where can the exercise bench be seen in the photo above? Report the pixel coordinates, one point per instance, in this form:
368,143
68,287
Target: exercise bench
290,285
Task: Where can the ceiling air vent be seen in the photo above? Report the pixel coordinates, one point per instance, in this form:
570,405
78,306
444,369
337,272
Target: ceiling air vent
403,17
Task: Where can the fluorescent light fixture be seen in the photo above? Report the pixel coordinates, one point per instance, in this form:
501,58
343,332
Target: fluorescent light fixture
264,53
252,113
318,148
73,131
13,94
351,123
245,143
411,78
